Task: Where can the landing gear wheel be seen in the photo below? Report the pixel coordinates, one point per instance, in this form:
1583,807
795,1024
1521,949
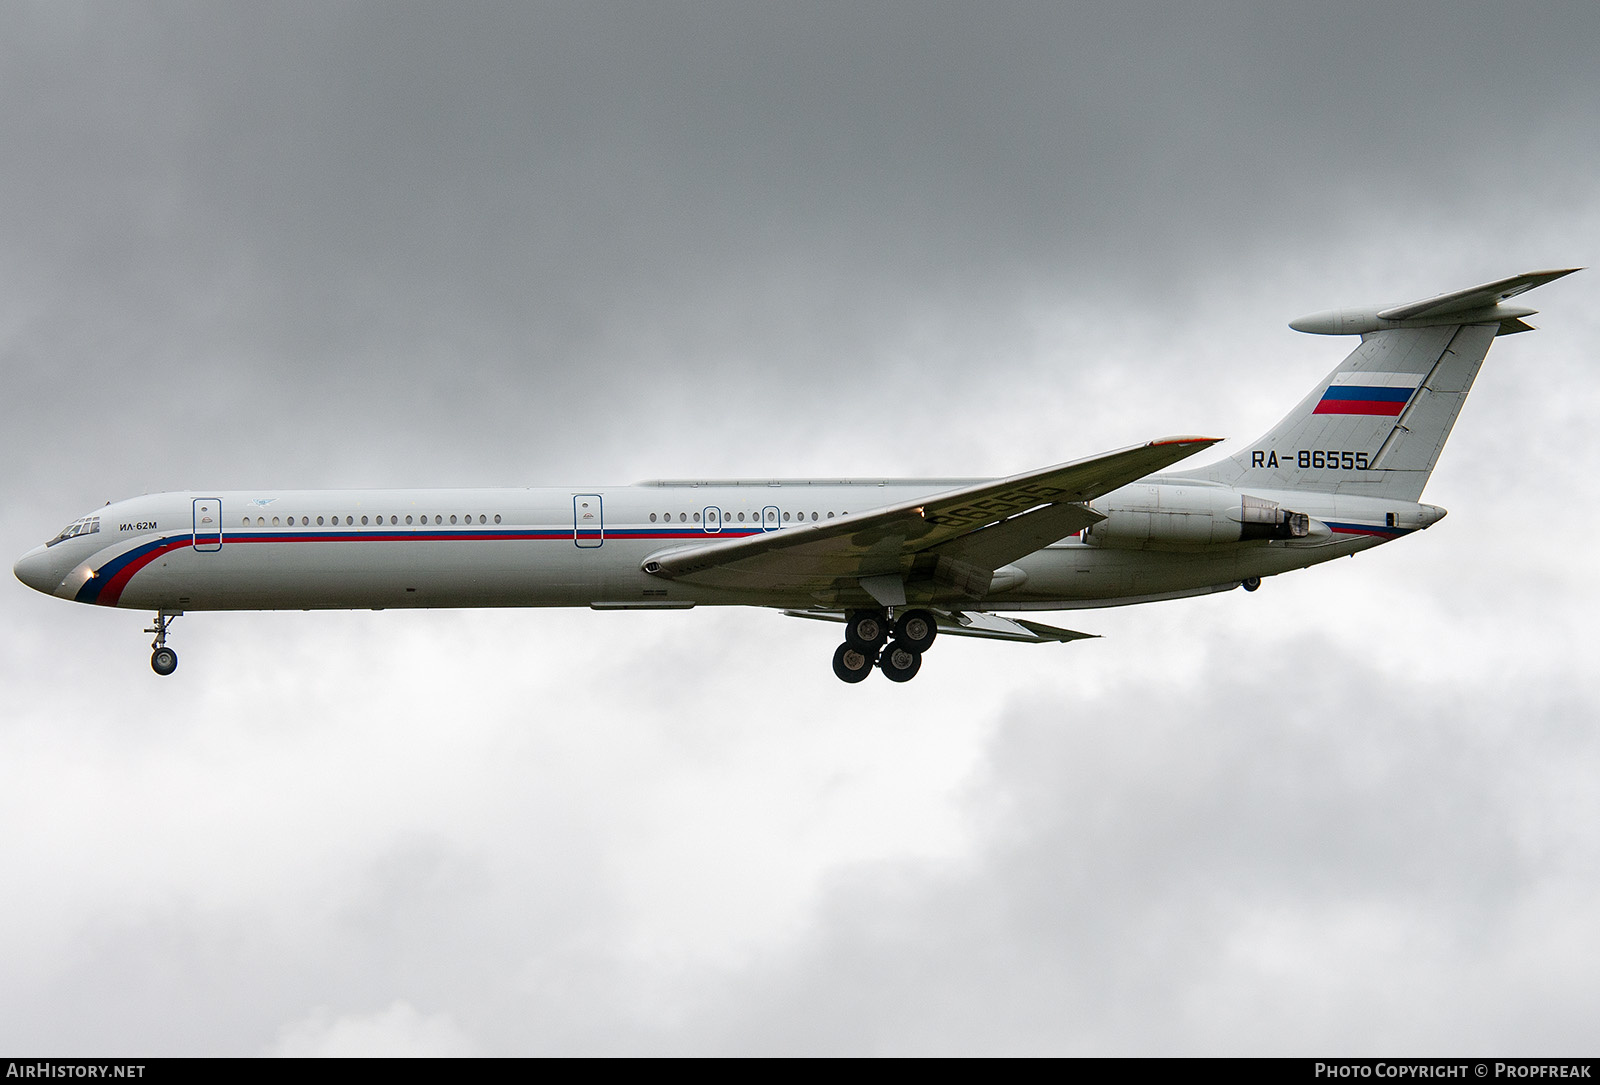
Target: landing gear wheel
163,660
915,631
851,664
866,629
1250,583
900,663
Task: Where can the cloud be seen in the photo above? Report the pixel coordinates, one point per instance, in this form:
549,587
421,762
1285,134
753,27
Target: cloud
398,1031
509,245
1283,864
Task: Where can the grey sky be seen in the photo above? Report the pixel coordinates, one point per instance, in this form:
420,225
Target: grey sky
376,245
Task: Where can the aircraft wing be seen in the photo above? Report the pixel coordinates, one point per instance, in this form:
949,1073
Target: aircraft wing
964,533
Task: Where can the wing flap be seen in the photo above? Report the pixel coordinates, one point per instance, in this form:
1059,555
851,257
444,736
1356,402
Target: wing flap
1000,544
971,623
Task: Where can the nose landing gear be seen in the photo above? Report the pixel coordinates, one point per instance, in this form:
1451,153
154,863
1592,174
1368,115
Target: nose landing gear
163,660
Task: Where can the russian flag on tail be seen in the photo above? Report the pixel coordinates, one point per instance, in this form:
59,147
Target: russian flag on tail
1381,394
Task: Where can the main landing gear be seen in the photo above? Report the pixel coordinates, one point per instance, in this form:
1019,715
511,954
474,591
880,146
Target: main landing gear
865,632
163,660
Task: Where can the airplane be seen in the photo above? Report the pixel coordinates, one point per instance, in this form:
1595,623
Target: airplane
898,562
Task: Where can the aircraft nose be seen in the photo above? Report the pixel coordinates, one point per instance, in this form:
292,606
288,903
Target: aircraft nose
36,570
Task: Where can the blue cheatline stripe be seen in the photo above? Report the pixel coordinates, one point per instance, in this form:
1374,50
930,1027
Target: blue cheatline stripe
106,585
374,534
109,579
1369,393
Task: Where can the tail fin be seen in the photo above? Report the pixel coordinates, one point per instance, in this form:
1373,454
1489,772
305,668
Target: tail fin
1376,424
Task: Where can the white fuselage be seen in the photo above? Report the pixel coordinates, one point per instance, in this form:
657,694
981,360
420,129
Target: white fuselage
895,561
250,550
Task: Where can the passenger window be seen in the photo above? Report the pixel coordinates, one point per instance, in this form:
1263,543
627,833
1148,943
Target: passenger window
497,517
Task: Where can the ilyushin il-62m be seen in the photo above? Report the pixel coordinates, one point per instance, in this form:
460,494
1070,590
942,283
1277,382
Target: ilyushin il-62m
899,562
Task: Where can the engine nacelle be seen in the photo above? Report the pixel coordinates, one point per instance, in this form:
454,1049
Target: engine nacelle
1189,518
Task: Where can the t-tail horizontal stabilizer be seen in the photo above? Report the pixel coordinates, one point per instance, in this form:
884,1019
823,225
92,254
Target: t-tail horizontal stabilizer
1475,305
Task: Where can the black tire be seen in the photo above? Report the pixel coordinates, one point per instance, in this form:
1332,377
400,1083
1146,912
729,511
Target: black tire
900,662
916,630
866,629
851,664
163,661
1250,583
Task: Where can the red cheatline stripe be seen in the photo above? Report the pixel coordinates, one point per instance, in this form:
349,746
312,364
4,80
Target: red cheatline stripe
1359,406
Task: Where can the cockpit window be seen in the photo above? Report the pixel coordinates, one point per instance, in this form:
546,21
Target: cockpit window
87,525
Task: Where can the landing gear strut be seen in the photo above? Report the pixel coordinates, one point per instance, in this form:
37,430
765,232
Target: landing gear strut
865,632
163,660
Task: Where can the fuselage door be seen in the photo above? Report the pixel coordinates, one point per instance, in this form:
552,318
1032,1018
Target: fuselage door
207,525
713,520
588,520
769,518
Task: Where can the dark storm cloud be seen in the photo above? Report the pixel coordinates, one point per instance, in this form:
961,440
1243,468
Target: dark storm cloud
329,221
